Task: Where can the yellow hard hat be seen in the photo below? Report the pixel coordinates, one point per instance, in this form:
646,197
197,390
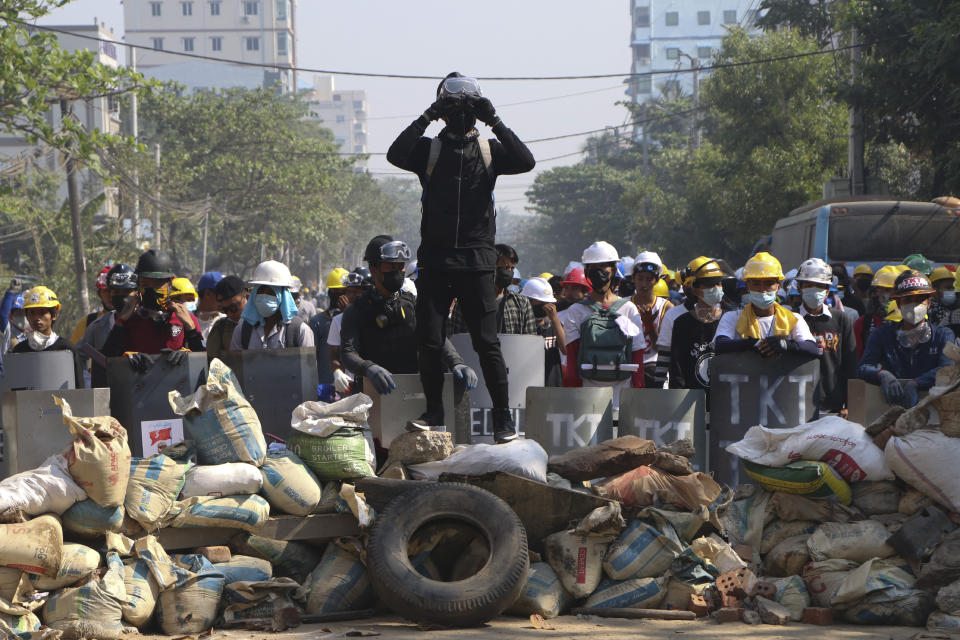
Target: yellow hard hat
763,265
546,275
335,279
40,298
893,312
863,270
941,273
182,287
701,267
900,268
886,276
661,290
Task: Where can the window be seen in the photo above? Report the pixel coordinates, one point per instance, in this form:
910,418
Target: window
358,127
188,44
282,49
673,18
341,119
155,9
281,9
251,7
157,43
704,53
730,16
673,53
186,8
214,7
703,17
252,43
337,97
644,85
358,105
358,148
641,17
216,43
641,53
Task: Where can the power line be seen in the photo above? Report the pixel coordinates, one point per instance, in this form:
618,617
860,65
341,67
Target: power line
400,76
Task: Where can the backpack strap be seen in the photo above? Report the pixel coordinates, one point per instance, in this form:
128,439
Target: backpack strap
487,155
615,306
245,332
291,337
434,156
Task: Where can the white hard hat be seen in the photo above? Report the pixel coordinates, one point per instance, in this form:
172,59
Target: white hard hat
599,253
649,257
409,287
410,271
573,264
516,274
538,289
295,284
272,273
815,270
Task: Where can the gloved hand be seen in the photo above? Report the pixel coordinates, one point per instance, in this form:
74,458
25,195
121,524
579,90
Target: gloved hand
892,390
139,362
466,374
16,285
772,346
910,396
483,109
434,111
174,358
381,379
341,381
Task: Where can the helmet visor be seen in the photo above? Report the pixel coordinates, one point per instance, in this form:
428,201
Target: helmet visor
396,251
121,280
460,87
352,280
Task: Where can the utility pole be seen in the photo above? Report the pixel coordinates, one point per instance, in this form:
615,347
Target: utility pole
73,195
695,64
156,204
206,223
855,147
135,131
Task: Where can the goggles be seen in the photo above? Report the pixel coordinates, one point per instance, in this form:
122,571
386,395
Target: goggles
126,281
396,251
352,280
460,87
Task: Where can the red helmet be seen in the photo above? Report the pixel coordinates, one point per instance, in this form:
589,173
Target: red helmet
102,277
576,277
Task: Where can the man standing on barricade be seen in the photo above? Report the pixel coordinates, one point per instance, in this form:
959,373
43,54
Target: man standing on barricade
458,171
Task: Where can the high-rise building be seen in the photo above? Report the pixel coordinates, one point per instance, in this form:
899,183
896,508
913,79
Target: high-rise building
343,112
255,31
673,35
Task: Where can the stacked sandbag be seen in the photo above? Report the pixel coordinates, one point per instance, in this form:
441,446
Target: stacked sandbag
334,439
154,485
99,458
87,519
47,489
288,483
218,480
77,562
289,559
245,512
92,610
339,583
35,546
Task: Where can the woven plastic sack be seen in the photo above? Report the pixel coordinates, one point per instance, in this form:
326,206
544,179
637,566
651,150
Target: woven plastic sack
244,569
35,546
228,479
92,610
47,489
854,541
542,595
926,460
290,559
88,519
806,478
641,551
154,486
289,485
142,592
191,606
577,559
339,583
78,562
220,419
99,458
639,593
231,512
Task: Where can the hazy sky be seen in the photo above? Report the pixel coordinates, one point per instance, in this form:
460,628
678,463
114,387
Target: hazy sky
434,37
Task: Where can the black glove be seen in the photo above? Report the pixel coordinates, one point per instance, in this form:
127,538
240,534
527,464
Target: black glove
777,345
16,285
174,358
139,362
434,111
381,379
483,109
892,390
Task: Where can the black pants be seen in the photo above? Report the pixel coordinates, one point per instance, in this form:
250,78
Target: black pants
474,291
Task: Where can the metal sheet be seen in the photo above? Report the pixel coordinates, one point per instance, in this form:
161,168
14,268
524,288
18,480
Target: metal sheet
524,358
865,403
747,390
666,415
33,426
563,419
275,382
391,412
42,370
138,397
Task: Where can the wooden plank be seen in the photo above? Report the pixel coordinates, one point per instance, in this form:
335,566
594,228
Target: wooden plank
314,527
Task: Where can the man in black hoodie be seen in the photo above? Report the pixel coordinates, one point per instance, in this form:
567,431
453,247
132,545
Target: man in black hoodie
458,171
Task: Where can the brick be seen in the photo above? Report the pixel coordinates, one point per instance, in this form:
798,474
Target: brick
772,612
739,583
215,554
817,615
765,589
728,615
701,605
730,602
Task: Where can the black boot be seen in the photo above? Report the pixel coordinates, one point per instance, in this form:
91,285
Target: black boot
504,430
430,418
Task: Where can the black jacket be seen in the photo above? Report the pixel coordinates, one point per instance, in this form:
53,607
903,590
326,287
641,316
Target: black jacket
459,223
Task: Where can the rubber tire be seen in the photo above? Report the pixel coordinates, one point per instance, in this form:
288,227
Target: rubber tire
466,603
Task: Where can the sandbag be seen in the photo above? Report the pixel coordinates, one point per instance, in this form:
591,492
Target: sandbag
944,623
842,444
639,593
577,560
244,569
161,566
608,458
718,553
142,592
787,558
92,610
78,561
228,479
876,498
824,579
47,489
521,457
230,512
792,593
948,598
803,477
154,486
645,486
35,546
88,519
99,458
259,600
289,485
9,582
878,592
191,606
855,541
944,565
220,419
641,551
791,507
339,583
925,460
290,559
542,595
779,530
344,454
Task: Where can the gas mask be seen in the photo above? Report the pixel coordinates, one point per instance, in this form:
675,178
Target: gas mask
150,299
118,300
599,278
392,281
503,277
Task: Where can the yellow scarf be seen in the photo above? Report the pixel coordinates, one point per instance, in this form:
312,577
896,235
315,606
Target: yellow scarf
749,327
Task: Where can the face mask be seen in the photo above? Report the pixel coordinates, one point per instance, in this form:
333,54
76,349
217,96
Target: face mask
191,307
39,342
266,305
118,302
761,299
813,297
539,312
503,277
599,278
712,296
913,313
513,288
460,122
150,299
392,281
948,298
862,284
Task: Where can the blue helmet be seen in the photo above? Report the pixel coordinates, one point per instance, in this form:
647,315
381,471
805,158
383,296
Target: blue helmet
18,303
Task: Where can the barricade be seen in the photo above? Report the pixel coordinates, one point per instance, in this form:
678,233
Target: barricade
524,359
391,412
666,415
747,390
865,403
561,419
